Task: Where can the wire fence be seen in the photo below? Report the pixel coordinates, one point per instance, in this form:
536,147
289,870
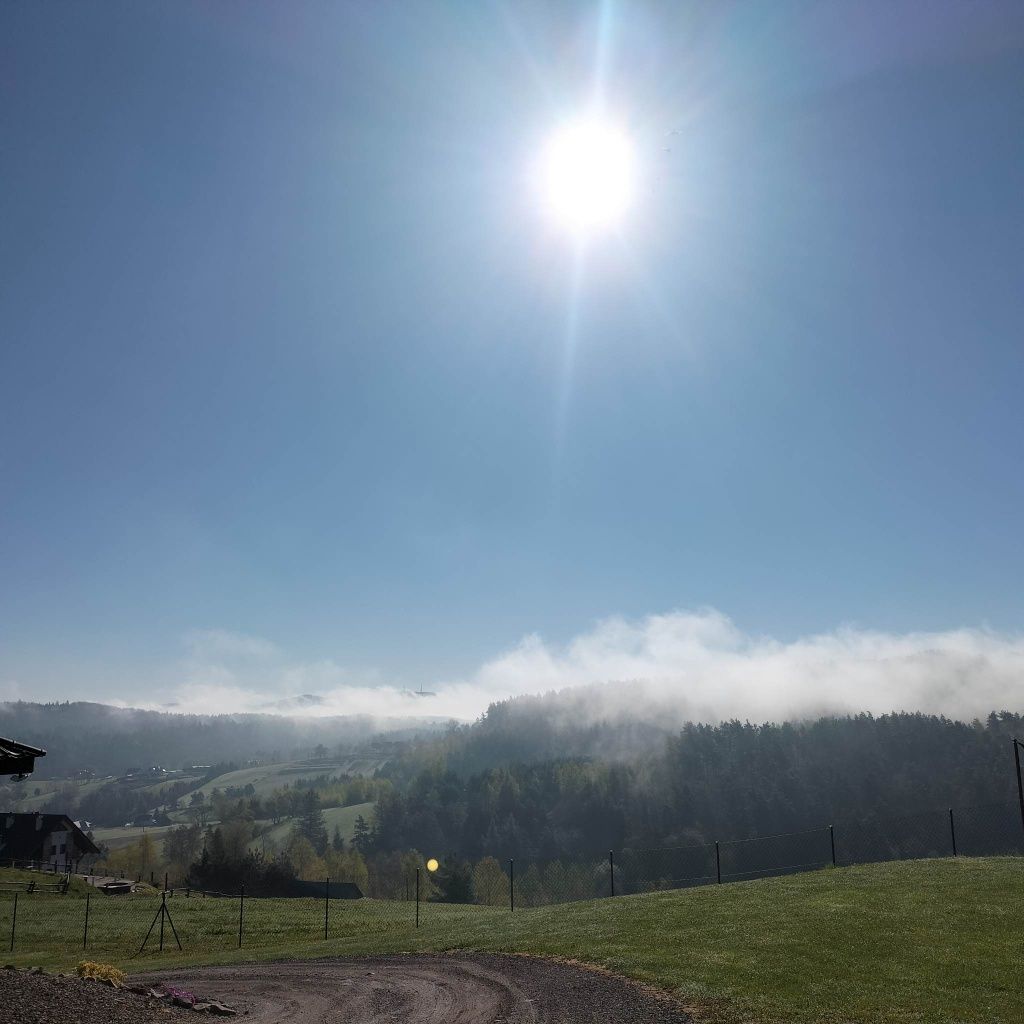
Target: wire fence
59,924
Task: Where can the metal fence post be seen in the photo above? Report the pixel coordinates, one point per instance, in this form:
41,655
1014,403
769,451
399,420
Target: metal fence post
14,920
952,830
832,839
85,934
241,911
327,903
611,870
165,881
417,897
512,885
1020,784
718,862
163,914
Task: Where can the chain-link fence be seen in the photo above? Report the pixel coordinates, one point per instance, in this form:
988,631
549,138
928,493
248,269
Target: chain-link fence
60,924
133,926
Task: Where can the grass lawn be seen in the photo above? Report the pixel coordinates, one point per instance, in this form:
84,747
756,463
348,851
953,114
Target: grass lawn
914,942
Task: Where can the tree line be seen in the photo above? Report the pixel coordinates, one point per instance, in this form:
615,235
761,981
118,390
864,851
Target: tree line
729,781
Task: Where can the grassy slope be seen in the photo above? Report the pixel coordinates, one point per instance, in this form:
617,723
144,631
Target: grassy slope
928,942
47,787
115,838
343,817
264,780
340,817
20,876
273,776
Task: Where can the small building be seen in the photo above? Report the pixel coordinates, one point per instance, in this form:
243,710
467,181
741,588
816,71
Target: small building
52,842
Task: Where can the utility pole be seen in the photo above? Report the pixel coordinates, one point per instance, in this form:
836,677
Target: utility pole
1020,784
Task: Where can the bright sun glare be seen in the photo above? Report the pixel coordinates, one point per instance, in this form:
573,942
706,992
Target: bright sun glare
588,175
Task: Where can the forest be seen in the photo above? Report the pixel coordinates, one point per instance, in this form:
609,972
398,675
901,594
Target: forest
733,780
539,780
557,818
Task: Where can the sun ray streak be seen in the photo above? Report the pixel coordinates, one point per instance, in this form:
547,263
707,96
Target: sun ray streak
602,51
572,328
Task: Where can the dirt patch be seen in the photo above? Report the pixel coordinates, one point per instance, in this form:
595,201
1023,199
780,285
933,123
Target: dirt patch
458,988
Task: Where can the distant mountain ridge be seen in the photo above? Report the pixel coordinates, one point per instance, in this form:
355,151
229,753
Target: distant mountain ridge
107,740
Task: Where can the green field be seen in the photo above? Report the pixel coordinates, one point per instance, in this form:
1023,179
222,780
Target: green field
275,837
915,942
340,817
115,838
269,777
156,789
264,780
47,787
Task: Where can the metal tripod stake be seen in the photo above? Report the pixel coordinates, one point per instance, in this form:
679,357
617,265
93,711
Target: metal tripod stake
161,915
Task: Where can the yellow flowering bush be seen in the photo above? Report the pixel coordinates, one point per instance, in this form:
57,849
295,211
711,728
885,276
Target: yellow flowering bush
101,972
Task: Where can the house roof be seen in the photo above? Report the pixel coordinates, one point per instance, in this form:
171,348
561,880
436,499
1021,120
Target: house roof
18,758
21,835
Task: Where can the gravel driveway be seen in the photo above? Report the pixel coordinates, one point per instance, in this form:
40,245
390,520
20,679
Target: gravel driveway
463,988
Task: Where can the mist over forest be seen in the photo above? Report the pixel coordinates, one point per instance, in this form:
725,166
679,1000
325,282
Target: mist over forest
540,777
104,740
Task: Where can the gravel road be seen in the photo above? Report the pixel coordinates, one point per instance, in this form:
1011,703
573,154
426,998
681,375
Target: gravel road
463,988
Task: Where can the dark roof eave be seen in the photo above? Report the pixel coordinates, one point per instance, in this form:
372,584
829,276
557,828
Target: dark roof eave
13,748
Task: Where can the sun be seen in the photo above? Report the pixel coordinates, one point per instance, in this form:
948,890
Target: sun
587,175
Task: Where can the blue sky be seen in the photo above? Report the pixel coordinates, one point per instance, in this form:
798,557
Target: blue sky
289,351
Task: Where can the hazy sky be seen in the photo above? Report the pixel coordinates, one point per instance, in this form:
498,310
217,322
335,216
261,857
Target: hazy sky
290,353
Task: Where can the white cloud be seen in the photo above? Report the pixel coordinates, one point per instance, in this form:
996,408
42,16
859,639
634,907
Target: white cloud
684,665
701,666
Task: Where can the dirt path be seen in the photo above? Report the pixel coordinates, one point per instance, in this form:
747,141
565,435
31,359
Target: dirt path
425,989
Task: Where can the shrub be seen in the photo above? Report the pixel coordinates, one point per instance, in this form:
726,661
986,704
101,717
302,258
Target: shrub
101,972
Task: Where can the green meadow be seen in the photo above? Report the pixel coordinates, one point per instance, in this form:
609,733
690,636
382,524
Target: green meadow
266,778
915,941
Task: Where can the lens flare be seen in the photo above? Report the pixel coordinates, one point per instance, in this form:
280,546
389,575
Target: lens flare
587,175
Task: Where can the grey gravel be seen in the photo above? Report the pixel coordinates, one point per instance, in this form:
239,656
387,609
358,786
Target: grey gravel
27,998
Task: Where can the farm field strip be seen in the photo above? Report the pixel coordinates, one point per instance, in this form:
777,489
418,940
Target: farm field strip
267,778
115,838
